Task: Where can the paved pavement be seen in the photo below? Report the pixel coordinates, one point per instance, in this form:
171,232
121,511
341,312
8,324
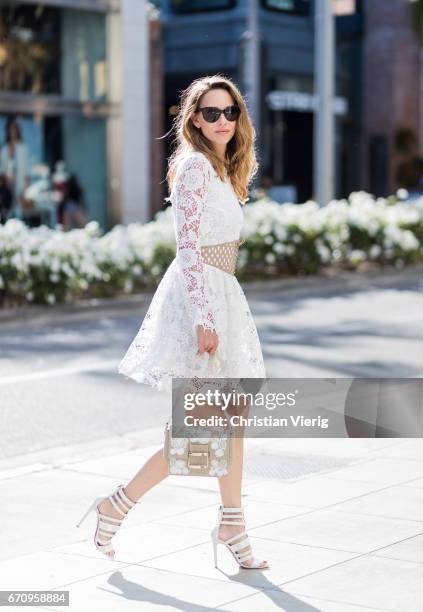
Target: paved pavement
346,535
58,367
340,520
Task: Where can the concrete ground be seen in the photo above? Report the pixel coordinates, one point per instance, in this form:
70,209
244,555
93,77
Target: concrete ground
340,522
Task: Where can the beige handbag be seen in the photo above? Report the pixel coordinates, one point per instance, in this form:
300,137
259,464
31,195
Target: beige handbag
198,456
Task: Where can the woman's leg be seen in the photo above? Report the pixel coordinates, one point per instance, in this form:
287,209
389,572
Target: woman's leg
151,473
230,485
230,489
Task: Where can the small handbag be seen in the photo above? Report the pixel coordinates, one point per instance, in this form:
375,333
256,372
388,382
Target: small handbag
198,456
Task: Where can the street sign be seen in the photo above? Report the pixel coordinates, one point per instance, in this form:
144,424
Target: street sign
302,102
343,7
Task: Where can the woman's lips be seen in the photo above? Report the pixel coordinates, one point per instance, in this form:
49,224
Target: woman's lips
222,131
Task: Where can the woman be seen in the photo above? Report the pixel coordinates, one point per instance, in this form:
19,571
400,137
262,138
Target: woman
14,162
199,322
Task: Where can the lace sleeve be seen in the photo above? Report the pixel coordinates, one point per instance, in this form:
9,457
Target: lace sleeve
189,194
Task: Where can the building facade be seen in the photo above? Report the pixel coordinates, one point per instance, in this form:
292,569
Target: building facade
92,88
379,101
392,98
77,73
204,37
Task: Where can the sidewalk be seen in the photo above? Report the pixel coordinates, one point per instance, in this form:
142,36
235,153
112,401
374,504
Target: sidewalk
340,521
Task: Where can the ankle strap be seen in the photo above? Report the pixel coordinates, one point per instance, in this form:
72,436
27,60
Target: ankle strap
226,509
125,497
231,516
120,500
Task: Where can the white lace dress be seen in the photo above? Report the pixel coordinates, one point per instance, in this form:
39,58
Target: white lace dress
206,211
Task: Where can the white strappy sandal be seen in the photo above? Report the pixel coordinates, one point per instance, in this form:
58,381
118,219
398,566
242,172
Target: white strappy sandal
237,543
108,525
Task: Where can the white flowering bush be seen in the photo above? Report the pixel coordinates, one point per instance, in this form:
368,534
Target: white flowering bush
288,237
48,266
304,238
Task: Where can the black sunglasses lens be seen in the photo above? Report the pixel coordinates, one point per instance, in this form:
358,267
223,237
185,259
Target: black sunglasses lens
232,113
211,114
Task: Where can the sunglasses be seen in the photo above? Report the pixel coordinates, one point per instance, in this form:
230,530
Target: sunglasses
211,113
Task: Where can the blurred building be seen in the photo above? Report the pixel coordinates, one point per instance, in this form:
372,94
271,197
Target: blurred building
392,98
74,71
204,36
71,70
377,76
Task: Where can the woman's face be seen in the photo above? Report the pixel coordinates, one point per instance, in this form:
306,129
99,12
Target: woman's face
220,132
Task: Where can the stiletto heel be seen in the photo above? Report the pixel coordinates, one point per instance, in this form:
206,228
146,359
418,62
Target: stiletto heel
237,543
92,506
214,542
109,525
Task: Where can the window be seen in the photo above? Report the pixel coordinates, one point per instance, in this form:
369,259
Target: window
198,6
294,7
53,51
29,49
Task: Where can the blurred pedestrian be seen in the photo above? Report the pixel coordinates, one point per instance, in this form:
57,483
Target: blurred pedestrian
71,211
14,163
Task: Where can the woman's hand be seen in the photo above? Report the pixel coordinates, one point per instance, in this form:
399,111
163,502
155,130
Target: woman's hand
207,341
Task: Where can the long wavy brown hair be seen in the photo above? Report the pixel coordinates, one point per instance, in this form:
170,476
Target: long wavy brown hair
240,158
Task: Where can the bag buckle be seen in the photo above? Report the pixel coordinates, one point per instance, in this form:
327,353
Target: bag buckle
198,465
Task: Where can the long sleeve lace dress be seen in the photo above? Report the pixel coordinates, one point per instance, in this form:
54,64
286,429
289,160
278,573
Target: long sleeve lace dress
206,211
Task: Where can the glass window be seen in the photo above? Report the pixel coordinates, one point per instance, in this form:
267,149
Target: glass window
84,151
29,49
295,7
79,142
197,6
83,64
53,51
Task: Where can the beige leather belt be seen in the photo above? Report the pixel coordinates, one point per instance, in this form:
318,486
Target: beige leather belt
223,255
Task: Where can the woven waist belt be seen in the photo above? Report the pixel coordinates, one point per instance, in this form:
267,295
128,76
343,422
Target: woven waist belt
223,255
